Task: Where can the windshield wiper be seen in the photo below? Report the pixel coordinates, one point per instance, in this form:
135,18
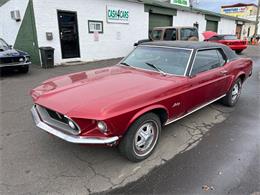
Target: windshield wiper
126,64
156,68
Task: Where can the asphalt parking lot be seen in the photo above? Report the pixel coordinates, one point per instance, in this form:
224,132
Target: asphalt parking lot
33,162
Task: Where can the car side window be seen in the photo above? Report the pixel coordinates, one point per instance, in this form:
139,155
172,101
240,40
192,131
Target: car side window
187,33
207,60
156,34
222,60
170,34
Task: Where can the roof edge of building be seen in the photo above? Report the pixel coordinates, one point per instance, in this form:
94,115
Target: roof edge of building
239,5
192,9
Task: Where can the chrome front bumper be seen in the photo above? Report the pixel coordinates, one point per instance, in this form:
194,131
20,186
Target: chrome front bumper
69,138
15,65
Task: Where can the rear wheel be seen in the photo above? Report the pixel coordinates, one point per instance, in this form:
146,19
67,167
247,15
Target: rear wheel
233,94
141,138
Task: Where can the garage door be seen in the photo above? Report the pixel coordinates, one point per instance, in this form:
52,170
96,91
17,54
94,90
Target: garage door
212,26
159,20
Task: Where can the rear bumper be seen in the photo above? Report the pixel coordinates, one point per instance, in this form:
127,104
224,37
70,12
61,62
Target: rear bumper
69,138
15,65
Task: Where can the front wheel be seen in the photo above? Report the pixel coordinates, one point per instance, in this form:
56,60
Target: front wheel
141,138
233,94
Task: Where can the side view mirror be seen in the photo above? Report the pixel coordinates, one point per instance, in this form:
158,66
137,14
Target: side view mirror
10,46
136,44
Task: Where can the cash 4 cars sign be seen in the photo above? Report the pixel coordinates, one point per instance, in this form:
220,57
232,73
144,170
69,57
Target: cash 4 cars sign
181,2
117,15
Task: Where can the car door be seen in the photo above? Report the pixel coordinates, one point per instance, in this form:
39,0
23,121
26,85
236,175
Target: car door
208,78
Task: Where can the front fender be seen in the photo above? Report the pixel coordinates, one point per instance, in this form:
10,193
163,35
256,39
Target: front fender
146,110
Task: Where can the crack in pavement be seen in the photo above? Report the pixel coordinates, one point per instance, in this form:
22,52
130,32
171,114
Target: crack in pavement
90,165
222,111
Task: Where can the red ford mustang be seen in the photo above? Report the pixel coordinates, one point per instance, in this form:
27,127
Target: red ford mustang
128,104
230,40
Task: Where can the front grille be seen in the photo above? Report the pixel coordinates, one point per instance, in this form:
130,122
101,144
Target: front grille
11,60
56,120
57,116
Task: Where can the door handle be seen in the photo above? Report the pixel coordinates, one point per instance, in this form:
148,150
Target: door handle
223,72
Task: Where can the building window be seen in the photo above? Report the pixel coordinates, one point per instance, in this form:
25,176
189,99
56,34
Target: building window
95,26
196,24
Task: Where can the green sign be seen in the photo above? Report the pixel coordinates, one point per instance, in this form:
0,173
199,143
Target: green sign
117,15
181,2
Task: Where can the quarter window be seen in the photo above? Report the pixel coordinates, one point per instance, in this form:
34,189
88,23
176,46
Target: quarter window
207,60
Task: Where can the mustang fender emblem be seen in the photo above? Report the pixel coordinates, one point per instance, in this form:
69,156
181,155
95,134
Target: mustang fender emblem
176,104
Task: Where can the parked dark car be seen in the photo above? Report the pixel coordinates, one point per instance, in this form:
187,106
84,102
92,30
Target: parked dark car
13,59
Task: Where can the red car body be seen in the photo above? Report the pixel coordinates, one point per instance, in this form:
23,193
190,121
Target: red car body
118,95
229,40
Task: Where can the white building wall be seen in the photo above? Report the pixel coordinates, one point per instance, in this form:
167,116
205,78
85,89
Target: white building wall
9,28
226,26
188,19
248,27
117,39
251,25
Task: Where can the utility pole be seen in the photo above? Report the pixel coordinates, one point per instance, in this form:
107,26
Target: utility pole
257,18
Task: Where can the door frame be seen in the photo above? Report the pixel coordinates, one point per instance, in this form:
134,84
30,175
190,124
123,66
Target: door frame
215,72
73,12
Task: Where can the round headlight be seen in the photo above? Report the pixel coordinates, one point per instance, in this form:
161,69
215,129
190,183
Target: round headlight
21,60
102,126
72,125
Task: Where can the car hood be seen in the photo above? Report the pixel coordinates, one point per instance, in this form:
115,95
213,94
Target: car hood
208,34
104,92
12,53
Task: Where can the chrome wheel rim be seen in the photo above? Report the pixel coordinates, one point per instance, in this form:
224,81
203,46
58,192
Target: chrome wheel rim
236,92
146,138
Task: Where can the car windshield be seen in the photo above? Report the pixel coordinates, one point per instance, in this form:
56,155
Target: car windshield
3,45
230,37
164,60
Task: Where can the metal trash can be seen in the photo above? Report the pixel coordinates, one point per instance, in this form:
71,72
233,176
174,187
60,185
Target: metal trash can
47,56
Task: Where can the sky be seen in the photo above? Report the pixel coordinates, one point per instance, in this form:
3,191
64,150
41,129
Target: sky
214,5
